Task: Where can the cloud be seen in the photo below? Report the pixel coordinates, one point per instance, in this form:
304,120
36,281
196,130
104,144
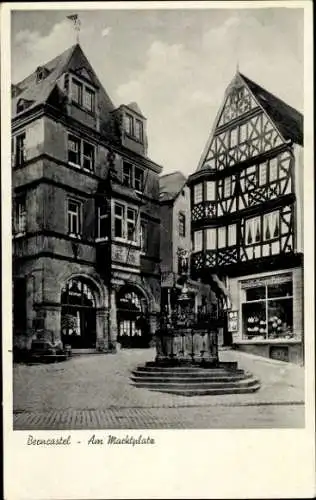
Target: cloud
106,31
180,89
37,49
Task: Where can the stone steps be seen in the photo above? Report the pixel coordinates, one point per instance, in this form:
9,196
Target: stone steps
194,380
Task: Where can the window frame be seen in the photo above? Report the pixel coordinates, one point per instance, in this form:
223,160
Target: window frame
125,220
198,193
133,127
20,153
82,143
181,225
70,218
20,215
100,217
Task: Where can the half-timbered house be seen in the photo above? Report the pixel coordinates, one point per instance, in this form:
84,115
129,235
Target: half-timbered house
246,219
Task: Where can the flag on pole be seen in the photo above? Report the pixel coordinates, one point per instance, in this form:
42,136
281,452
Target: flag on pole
76,22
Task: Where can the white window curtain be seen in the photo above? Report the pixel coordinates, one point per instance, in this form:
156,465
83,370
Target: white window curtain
198,237
211,239
270,226
227,186
198,193
210,190
252,229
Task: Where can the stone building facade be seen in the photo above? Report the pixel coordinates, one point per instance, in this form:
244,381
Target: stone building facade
175,244
85,198
247,219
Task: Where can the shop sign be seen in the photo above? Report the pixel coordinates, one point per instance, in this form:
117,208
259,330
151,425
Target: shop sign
233,321
268,280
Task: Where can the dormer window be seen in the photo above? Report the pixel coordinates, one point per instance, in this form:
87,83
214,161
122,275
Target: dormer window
82,95
128,122
133,127
41,73
139,130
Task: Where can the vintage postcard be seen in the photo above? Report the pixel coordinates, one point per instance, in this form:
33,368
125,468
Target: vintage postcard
157,200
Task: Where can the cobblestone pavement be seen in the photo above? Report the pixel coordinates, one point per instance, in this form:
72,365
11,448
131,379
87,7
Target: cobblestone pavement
94,391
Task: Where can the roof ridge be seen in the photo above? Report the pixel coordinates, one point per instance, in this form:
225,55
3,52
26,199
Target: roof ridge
247,79
47,63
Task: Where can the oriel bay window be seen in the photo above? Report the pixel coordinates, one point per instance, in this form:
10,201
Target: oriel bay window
221,237
103,221
198,194
74,211
267,308
125,219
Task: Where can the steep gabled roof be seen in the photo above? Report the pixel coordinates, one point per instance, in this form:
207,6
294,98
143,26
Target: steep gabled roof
287,119
170,185
38,92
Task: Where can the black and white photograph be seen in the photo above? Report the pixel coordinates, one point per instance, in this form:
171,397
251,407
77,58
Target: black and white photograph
158,201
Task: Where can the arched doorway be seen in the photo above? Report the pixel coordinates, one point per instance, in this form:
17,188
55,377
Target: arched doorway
132,318
78,315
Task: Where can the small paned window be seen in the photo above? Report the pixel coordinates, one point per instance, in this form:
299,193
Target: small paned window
221,237
198,241
74,150
198,193
127,174
210,191
118,220
128,124
139,130
131,224
20,216
20,149
211,239
139,179
88,156
76,92
103,221
88,99
74,218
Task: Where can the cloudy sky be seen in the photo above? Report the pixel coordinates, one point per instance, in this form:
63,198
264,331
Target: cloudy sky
174,63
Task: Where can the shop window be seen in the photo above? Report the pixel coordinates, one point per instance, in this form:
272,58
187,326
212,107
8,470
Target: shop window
198,193
182,223
267,309
74,218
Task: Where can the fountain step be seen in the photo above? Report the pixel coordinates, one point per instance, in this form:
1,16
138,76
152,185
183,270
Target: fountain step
186,370
175,378
187,364
210,391
186,385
